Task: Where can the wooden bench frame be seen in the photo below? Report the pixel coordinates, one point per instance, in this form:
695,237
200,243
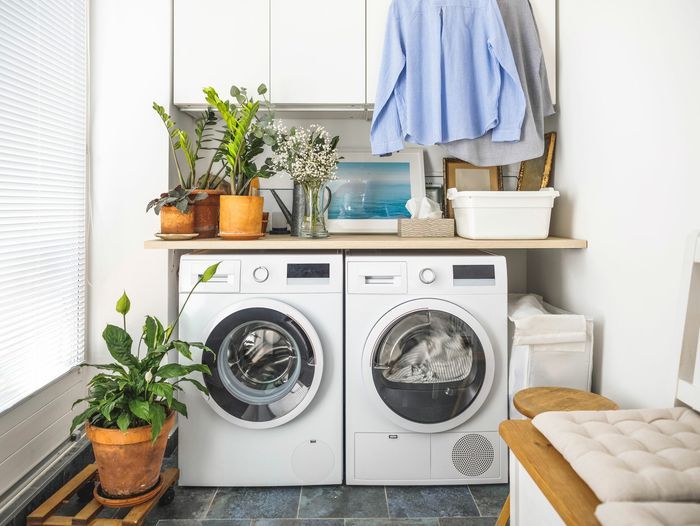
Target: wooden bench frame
543,481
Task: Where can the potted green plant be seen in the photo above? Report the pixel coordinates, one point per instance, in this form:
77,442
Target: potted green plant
175,210
211,182
131,405
246,134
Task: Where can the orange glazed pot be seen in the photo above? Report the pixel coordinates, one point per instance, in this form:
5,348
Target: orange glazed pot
241,216
206,213
172,221
128,463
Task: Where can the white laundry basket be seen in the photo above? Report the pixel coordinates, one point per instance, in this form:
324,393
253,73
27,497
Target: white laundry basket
559,356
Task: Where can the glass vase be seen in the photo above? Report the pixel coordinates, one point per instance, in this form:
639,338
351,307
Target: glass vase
317,200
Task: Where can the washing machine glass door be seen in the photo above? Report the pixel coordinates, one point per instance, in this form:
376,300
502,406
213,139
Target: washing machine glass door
430,365
266,364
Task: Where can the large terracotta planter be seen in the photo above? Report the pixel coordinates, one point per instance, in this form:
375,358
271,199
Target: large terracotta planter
241,216
172,221
128,463
206,213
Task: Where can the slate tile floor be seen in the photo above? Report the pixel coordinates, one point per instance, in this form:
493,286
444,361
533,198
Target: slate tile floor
329,506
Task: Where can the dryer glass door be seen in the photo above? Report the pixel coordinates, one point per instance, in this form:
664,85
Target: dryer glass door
429,366
263,366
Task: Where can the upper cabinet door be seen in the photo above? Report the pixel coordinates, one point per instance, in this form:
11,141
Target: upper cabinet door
219,43
545,12
317,52
377,11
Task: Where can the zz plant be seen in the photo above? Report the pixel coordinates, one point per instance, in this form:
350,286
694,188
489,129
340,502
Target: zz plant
205,133
137,391
245,136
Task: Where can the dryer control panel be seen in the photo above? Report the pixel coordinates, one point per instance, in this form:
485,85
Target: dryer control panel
449,274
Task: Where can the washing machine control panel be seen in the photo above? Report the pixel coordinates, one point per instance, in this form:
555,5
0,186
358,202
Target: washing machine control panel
260,274
427,276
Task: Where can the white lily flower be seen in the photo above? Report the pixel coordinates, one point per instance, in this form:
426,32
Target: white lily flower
149,376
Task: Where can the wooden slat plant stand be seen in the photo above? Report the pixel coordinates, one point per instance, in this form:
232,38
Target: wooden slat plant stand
82,484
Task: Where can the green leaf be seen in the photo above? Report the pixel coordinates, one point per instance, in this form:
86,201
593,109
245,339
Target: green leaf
119,345
123,421
107,407
179,407
152,332
197,384
262,89
164,390
171,370
123,304
83,417
140,408
209,272
183,348
157,417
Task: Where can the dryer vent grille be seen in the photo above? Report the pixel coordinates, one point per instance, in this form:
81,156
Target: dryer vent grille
472,455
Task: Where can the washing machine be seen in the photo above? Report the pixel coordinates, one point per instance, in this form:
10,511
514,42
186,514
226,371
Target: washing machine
274,413
425,368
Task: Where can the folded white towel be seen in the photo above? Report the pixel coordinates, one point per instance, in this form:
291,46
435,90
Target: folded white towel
535,323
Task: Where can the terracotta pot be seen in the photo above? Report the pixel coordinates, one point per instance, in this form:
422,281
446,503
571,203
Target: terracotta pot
172,221
240,216
206,213
128,463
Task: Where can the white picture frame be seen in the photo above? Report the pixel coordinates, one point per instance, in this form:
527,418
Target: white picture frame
350,212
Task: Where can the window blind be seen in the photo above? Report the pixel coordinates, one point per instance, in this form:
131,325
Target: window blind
43,133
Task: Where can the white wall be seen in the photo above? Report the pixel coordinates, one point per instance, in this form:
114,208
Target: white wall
629,93
130,68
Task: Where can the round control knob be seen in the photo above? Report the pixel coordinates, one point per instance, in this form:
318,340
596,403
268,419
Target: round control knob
261,274
427,276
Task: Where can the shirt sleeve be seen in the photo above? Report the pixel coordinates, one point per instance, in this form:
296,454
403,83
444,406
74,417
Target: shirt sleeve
511,99
386,133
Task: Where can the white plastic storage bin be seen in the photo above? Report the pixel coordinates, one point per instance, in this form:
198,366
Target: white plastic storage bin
502,215
554,358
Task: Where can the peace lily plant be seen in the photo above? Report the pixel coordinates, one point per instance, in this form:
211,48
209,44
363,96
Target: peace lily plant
131,404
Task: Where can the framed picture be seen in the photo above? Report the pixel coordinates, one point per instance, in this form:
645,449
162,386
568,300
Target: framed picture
370,192
536,173
466,176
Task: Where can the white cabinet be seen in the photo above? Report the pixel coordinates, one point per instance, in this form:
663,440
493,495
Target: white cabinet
219,43
317,53
545,12
376,25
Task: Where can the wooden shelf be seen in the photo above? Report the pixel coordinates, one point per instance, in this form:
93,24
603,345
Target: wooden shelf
366,242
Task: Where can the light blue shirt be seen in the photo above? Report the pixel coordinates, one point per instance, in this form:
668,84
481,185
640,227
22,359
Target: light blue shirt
447,74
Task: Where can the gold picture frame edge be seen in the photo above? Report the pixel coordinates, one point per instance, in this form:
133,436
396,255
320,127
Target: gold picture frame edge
495,172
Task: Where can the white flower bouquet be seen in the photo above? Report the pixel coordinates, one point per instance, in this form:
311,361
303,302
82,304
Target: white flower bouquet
310,158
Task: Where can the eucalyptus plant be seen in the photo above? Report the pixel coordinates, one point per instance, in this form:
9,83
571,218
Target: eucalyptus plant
247,131
138,391
205,134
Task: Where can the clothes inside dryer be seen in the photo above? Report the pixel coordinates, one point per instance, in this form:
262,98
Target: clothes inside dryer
429,366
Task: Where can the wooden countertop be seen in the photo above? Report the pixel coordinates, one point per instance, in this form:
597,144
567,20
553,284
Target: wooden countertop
368,242
570,496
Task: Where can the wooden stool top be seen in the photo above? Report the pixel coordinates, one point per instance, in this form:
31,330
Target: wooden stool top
535,400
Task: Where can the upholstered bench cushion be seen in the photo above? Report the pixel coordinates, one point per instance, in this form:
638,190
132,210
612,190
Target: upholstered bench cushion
630,455
648,514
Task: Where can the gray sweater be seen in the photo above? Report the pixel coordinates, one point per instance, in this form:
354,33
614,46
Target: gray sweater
529,60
